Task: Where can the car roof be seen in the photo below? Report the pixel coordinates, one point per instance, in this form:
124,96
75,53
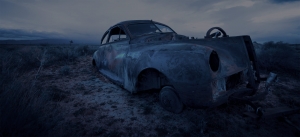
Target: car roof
125,23
134,21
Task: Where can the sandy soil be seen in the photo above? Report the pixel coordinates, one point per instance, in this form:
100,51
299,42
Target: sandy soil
85,103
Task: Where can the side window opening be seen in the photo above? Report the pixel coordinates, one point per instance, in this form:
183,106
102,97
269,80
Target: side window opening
117,34
104,39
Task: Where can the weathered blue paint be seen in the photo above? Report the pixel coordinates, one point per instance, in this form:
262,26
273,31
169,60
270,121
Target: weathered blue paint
181,62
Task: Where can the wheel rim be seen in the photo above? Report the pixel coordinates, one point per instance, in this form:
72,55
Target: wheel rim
169,100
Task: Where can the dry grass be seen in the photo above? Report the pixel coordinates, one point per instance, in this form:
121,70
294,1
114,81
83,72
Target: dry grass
282,58
60,94
279,57
22,101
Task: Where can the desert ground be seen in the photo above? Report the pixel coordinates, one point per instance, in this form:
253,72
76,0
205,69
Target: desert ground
55,91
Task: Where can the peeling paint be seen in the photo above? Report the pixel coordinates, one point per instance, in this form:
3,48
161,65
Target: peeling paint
182,61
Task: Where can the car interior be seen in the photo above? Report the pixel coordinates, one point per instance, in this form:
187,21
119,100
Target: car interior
117,34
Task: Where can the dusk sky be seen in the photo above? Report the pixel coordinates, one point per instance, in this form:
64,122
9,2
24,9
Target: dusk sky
263,20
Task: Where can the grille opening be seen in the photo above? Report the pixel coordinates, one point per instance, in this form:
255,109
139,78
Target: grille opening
214,61
233,81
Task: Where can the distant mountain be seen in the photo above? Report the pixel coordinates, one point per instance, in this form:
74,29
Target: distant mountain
40,41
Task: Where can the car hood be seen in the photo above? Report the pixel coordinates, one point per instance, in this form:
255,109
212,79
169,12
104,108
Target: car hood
232,52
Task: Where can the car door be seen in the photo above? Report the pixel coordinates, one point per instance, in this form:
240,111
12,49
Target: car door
114,52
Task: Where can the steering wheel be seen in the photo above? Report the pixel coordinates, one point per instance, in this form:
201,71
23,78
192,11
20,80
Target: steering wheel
216,34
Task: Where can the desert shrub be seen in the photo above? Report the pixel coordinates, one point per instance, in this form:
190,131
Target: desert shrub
21,60
44,44
147,110
66,54
30,59
84,50
65,70
21,104
8,48
278,56
60,55
55,94
20,110
21,101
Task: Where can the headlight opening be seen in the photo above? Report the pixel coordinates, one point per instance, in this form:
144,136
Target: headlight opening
214,61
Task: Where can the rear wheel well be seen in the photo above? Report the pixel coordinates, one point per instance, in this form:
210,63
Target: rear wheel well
150,78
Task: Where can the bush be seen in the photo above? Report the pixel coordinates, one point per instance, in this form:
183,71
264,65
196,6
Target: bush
65,70
279,57
83,50
21,60
20,110
22,101
60,54
66,54
21,104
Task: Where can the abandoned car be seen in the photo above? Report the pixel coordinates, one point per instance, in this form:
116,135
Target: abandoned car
142,55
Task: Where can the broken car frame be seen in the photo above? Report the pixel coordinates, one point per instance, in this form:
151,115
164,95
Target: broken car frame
142,55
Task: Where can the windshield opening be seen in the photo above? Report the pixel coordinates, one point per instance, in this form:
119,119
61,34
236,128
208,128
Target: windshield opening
148,28
164,28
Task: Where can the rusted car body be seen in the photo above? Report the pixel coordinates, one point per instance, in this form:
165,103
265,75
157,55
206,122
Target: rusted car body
142,55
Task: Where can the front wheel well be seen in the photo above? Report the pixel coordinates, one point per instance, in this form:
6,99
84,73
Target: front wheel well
94,62
151,78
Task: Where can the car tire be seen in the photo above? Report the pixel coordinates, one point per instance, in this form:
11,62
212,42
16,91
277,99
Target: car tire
169,100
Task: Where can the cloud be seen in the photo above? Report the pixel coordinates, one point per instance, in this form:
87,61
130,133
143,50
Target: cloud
277,15
89,19
223,5
27,35
283,1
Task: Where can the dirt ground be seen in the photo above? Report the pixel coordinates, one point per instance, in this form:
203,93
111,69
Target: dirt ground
88,104
84,103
